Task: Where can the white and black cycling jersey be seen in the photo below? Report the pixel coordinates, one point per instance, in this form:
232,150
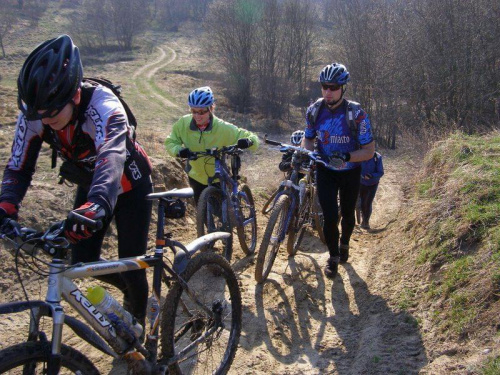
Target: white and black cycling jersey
103,143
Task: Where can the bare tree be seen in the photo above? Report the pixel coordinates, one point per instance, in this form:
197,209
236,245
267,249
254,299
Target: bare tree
231,28
7,16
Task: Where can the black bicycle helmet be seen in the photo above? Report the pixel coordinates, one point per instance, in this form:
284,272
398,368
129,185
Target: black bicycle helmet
49,78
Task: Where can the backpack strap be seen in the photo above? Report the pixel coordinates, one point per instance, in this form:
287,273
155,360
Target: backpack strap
350,111
117,90
313,114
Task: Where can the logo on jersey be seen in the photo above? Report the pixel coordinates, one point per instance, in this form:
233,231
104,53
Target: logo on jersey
136,173
19,142
100,162
97,120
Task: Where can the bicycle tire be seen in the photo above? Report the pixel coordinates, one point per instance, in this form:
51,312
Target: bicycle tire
210,197
319,220
268,206
298,225
15,358
265,258
247,210
183,321
358,210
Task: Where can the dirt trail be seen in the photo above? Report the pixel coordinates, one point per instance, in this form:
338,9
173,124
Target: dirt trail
144,74
299,322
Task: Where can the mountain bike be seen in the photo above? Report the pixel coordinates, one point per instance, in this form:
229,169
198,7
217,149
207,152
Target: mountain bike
198,324
226,204
292,211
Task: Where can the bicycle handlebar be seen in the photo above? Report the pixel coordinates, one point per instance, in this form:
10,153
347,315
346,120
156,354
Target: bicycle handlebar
314,156
215,152
50,240
80,219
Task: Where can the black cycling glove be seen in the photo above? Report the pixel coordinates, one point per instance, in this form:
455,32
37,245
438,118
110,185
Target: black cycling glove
184,153
244,143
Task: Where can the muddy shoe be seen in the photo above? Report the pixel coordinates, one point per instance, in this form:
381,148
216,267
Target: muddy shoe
332,267
344,252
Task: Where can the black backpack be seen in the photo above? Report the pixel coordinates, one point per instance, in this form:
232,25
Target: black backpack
88,87
351,108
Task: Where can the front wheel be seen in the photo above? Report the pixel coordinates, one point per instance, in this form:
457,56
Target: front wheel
32,358
201,319
299,225
273,238
211,218
246,224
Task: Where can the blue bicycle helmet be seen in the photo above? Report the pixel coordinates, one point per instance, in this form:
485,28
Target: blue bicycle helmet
201,97
49,78
334,73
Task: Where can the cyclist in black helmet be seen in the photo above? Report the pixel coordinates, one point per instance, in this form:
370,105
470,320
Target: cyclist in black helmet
344,151
96,139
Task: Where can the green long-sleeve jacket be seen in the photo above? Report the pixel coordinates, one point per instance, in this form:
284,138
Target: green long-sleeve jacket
219,133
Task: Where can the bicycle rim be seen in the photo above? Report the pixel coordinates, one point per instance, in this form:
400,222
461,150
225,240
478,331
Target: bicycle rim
247,225
271,240
298,229
209,220
32,358
184,322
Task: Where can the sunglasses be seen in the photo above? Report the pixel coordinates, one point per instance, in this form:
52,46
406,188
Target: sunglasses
331,87
200,112
33,115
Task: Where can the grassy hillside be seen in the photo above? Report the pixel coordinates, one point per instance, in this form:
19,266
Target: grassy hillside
452,221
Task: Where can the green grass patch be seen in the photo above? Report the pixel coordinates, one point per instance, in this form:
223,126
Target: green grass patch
458,274
406,298
492,366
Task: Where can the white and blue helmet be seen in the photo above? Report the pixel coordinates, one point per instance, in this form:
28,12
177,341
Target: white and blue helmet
296,138
201,97
334,73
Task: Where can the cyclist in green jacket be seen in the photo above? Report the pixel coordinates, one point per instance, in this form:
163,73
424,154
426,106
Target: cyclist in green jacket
202,130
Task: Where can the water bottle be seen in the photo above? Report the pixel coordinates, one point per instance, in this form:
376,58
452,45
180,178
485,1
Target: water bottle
302,189
108,306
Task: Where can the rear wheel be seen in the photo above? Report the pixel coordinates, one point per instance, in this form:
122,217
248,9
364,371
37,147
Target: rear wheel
207,316
209,219
298,226
246,226
318,218
32,358
272,240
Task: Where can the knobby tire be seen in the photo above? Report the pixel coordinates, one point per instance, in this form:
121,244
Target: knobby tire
298,226
183,321
14,359
207,220
247,234
269,246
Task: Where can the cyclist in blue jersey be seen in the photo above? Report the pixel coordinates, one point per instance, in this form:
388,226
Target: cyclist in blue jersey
330,131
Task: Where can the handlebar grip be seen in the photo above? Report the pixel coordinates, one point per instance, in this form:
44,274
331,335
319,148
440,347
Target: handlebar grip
271,142
92,224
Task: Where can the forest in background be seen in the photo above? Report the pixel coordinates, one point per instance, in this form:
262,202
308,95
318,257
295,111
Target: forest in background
420,68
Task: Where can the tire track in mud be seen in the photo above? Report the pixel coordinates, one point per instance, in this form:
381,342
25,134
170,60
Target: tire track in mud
151,69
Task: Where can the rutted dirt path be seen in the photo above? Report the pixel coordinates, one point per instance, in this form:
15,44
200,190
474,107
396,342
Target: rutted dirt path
299,322
144,75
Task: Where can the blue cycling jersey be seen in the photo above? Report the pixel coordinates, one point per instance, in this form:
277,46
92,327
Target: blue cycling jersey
333,133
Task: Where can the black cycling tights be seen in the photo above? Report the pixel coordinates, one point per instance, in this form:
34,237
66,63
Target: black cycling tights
132,216
344,184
